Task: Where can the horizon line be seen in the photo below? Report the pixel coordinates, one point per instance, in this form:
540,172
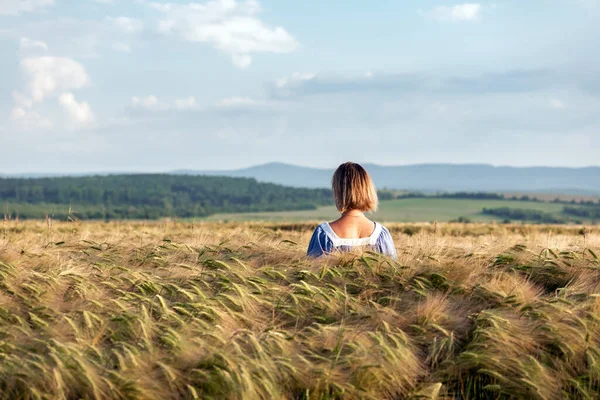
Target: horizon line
176,170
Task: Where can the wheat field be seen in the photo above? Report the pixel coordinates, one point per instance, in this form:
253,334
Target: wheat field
184,310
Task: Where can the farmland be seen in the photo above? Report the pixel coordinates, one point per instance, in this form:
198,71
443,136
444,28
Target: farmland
218,198
184,310
402,210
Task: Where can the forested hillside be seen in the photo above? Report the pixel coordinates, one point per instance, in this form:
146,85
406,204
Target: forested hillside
150,196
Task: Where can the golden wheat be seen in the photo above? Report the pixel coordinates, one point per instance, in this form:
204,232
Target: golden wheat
164,310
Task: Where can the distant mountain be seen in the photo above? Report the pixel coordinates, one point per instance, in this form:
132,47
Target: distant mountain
422,177
435,177
285,174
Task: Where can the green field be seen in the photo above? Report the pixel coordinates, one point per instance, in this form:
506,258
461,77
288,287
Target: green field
401,210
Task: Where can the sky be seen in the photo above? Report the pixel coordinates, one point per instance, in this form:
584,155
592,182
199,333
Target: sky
150,86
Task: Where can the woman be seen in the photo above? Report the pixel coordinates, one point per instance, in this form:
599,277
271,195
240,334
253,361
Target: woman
354,193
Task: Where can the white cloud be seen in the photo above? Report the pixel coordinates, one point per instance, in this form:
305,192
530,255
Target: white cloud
241,60
80,113
153,103
458,12
27,44
227,25
238,102
186,103
294,78
150,102
47,75
16,7
127,25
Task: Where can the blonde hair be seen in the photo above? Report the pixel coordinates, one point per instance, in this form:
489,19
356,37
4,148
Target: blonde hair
353,188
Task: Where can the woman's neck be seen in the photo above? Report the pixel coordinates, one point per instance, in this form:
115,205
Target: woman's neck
353,213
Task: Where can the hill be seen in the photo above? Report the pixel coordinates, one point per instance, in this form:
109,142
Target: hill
436,177
150,196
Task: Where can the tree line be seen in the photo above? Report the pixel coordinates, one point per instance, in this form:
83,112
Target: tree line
576,215
521,214
150,196
587,212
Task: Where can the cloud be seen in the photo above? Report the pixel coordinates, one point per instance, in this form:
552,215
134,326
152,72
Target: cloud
238,102
304,84
81,38
122,47
47,75
294,78
241,60
186,103
149,102
27,44
124,25
229,26
153,103
512,81
556,104
17,113
187,109
29,120
80,113
457,13
21,100
127,25
16,7
517,81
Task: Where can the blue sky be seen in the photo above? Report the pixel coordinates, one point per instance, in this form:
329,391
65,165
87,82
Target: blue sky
140,85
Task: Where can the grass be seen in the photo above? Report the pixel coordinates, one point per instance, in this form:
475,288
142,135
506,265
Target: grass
236,311
401,210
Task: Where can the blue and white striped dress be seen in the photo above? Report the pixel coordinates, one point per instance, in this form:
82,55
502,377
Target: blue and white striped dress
324,240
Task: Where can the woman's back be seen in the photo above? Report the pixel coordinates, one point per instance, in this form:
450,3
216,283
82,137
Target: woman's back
354,193
325,240
353,227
